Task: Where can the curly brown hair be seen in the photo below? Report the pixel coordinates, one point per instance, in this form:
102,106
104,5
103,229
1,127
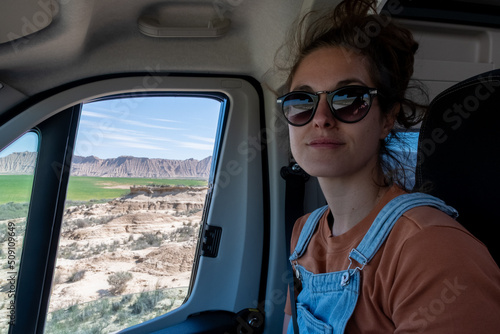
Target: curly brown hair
356,27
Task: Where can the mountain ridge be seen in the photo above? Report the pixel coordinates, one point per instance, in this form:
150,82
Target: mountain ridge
122,166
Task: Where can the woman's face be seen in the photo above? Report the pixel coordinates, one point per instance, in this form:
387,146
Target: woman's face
326,147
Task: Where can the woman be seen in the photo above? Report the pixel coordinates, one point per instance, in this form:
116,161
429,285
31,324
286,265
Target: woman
424,272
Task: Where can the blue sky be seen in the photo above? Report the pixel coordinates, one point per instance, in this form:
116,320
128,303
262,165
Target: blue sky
27,142
154,127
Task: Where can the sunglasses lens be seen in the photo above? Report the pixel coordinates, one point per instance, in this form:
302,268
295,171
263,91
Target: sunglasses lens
351,104
298,108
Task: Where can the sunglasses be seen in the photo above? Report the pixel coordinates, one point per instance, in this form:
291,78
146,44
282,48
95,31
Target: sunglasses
349,104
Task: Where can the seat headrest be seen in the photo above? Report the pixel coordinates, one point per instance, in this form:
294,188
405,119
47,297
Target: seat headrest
458,154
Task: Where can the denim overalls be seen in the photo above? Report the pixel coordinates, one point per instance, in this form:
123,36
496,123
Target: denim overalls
327,300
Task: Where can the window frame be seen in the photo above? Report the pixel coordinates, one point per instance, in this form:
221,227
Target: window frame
44,219
11,294
247,237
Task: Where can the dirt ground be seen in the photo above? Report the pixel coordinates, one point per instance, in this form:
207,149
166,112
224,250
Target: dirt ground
151,235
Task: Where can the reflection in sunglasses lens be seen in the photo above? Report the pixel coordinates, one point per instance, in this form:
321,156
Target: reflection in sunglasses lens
298,108
352,106
352,112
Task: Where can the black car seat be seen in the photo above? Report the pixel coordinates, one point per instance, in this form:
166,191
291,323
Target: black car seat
459,155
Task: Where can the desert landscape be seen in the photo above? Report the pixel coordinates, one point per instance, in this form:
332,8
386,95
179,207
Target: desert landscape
122,261
122,249
151,233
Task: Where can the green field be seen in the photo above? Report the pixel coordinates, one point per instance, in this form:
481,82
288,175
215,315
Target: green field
82,188
17,188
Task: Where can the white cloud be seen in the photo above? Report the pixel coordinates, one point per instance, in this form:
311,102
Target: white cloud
196,146
88,113
165,120
147,125
204,139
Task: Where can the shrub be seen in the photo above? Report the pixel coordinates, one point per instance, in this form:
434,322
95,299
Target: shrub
147,240
76,276
118,281
146,302
70,252
125,299
74,224
13,210
183,233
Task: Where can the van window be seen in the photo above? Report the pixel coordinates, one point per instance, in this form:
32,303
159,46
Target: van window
136,194
17,167
405,150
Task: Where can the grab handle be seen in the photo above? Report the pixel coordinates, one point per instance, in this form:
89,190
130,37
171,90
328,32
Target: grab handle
150,26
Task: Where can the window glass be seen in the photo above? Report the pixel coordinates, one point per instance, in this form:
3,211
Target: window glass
133,211
405,150
17,166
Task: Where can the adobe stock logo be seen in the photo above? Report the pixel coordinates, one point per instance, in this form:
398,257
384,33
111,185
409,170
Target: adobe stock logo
427,314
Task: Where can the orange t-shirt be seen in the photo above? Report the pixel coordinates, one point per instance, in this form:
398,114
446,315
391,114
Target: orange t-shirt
430,275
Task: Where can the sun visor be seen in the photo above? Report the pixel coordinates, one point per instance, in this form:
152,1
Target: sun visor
19,19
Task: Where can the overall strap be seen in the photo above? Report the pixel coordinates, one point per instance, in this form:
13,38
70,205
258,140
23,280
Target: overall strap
386,219
307,232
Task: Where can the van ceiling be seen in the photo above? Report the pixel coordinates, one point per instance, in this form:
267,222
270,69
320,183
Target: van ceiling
93,37
88,38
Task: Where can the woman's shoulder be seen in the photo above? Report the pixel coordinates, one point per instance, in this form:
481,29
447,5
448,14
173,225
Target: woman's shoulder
427,216
425,229
428,262
428,219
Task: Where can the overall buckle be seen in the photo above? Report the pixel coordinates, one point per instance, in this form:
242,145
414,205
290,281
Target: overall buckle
359,258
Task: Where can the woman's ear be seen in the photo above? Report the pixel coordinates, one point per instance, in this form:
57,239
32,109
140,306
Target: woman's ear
389,119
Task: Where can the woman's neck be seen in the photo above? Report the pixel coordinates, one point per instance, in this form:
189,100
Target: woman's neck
351,201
